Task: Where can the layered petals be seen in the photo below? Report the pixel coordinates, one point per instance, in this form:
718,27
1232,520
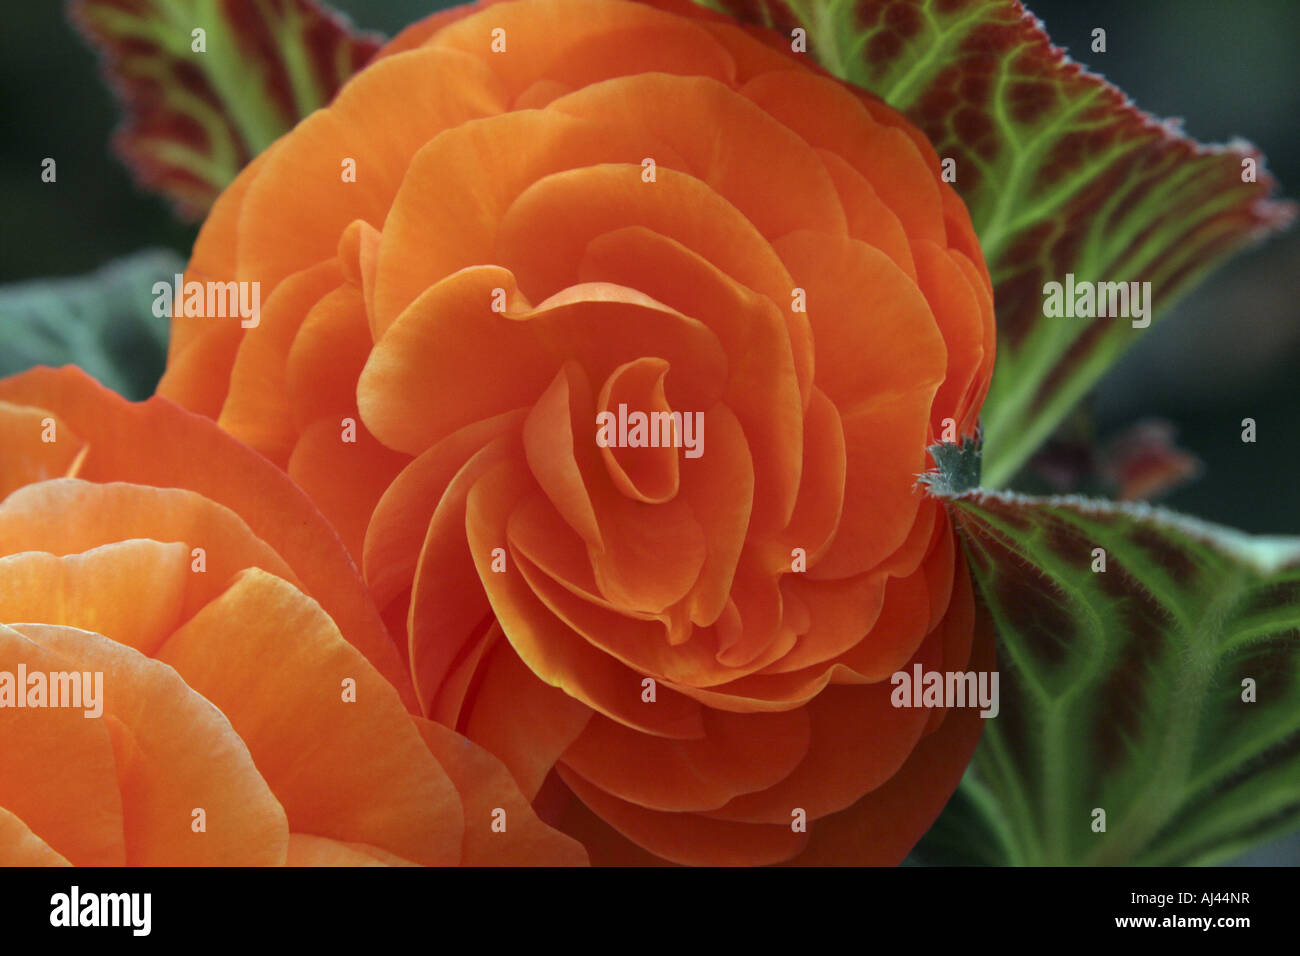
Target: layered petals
171,695
645,327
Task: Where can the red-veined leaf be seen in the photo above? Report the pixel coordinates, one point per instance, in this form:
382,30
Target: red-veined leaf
1061,174
195,118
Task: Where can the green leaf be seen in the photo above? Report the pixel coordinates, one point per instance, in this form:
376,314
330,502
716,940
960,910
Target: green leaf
1122,689
195,118
957,467
103,322
1061,173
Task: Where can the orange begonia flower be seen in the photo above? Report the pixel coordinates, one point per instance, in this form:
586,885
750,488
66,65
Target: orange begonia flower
527,222
191,671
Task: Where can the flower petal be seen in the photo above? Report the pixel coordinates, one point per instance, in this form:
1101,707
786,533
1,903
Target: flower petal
175,753
157,443
19,846
324,738
69,516
689,838
738,754
132,592
58,775
29,457
489,794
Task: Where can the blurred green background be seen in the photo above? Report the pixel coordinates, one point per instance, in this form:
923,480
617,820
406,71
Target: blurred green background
1230,350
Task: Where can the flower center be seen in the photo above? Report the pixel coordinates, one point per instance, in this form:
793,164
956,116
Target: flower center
640,436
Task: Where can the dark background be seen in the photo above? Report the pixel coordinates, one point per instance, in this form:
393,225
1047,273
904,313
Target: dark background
1229,350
